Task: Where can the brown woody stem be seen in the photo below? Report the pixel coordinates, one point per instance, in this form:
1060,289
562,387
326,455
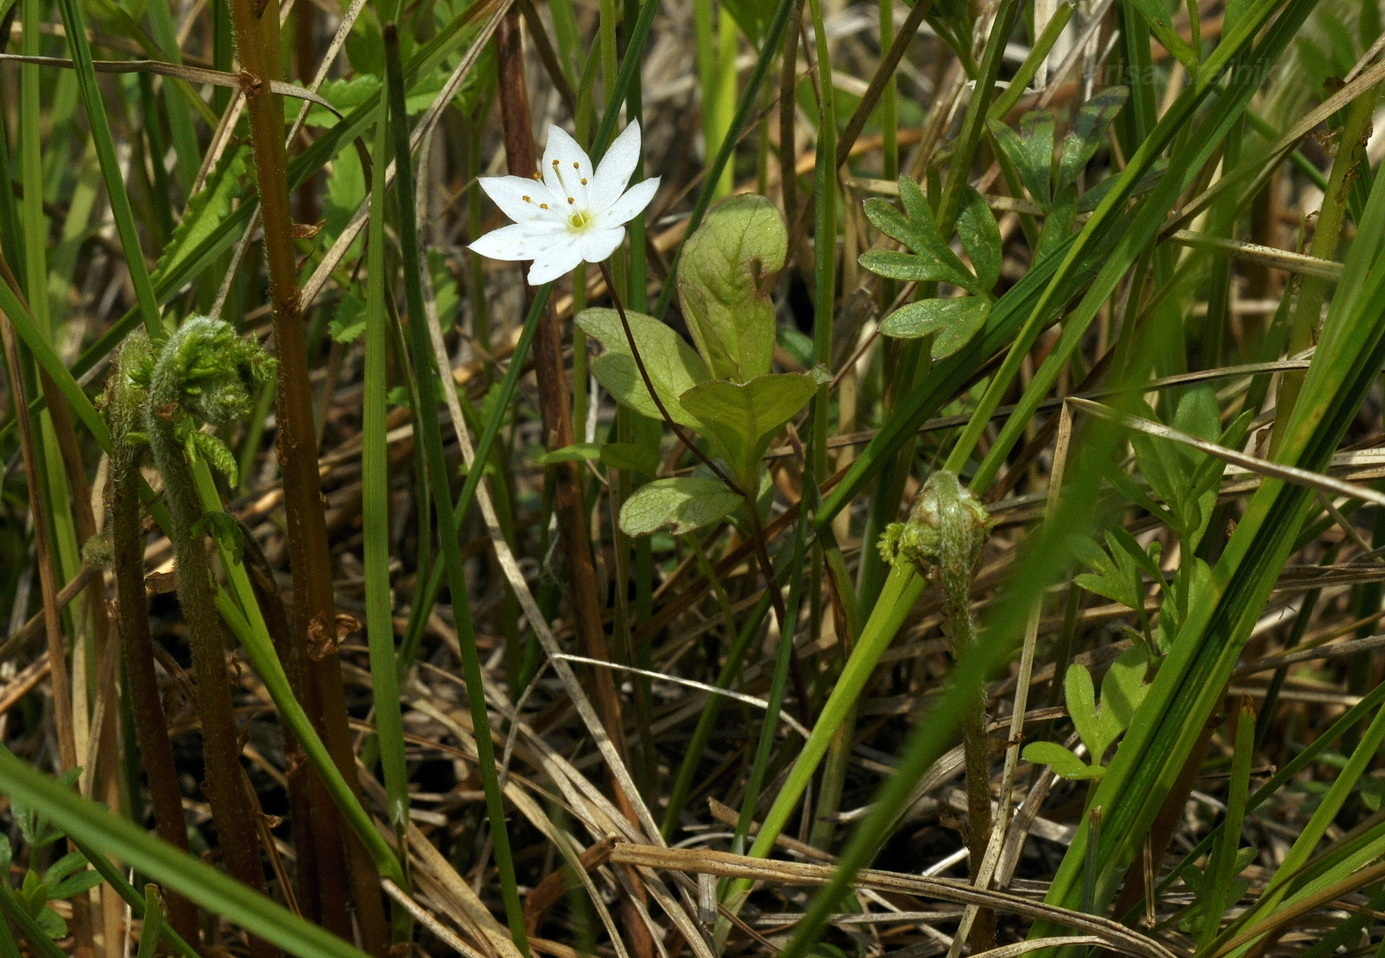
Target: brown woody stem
256,25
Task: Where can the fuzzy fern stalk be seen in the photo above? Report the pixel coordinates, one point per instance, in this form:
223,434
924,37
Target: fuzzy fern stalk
201,376
943,539
125,405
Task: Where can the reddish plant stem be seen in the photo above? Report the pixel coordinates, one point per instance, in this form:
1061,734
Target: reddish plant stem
256,27
48,588
232,812
141,681
146,705
556,410
62,697
297,771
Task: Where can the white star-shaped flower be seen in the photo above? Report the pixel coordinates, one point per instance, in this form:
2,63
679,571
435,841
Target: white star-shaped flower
574,213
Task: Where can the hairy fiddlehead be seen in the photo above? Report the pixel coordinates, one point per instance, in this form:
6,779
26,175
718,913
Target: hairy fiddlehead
202,375
943,539
125,405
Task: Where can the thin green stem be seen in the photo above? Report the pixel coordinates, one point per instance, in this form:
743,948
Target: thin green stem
431,438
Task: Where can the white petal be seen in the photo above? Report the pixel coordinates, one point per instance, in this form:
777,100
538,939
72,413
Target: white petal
517,197
558,259
616,166
565,165
630,205
519,241
597,244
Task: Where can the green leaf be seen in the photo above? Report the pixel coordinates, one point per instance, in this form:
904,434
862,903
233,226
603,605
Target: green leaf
1117,537
631,457
1064,763
1114,573
681,504
1175,471
1031,150
752,16
225,531
1080,696
931,260
346,193
347,95
673,366
1088,130
36,829
1156,14
980,236
724,279
348,319
1193,586
206,446
1123,686
577,452
95,826
81,882
742,418
1057,225
34,891
953,321
617,455
51,923
153,922
205,211
445,295
62,868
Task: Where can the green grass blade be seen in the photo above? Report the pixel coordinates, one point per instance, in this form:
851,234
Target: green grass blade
375,504
430,435
89,823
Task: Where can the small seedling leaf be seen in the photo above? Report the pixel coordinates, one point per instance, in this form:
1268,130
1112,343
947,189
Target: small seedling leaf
577,452
1123,686
680,505
1064,763
932,259
953,321
631,457
1080,695
980,236
1088,129
1030,149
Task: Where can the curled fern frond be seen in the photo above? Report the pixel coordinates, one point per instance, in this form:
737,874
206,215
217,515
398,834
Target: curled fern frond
206,370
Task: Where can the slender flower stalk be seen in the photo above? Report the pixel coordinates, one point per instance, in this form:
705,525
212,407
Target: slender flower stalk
943,540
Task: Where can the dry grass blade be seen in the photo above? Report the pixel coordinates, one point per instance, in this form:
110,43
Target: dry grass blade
706,862
179,71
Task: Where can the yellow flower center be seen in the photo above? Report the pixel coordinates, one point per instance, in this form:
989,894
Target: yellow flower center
579,220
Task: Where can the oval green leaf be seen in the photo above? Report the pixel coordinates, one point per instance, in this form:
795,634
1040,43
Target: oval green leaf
673,366
682,504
